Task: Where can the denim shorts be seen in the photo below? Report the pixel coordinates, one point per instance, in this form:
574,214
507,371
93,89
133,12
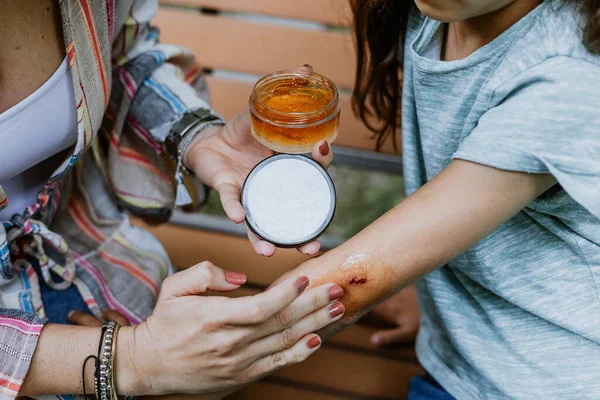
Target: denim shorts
426,388
58,303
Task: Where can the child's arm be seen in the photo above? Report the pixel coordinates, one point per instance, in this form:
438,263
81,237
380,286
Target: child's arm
455,210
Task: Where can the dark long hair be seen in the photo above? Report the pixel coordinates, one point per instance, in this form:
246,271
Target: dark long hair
379,31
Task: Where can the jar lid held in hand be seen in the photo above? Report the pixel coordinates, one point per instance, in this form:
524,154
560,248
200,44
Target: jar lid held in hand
289,200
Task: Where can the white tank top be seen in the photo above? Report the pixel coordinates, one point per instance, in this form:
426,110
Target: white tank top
32,134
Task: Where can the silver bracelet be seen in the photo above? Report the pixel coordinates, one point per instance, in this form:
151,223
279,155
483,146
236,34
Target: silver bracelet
104,377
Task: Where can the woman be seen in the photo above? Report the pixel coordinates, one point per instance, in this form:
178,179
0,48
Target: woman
501,157
86,143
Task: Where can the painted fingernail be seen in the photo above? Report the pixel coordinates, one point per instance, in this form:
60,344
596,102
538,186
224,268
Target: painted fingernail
336,309
335,292
313,342
324,149
302,283
235,278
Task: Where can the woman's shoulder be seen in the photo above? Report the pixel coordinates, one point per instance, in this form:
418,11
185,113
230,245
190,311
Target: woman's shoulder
554,44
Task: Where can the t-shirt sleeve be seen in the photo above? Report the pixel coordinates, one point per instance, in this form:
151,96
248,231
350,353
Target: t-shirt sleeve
545,120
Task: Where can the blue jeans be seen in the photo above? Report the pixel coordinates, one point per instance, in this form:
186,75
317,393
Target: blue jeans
426,388
58,303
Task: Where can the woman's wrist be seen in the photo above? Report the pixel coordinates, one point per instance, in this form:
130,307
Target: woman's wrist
192,150
67,346
131,367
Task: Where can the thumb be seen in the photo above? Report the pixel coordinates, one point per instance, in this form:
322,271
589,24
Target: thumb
305,69
391,336
238,127
198,279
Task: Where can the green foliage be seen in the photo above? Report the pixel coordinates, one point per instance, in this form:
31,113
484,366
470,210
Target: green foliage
363,196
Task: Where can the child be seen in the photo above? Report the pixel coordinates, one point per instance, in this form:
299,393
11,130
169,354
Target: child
500,110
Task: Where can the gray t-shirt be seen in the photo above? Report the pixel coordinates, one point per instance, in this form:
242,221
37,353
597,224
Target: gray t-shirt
517,315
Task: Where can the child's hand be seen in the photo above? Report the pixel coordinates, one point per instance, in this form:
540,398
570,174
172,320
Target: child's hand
401,310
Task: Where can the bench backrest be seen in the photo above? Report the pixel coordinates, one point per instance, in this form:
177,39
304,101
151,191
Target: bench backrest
238,41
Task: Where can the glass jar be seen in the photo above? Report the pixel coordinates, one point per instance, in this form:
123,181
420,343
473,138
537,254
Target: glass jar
291,111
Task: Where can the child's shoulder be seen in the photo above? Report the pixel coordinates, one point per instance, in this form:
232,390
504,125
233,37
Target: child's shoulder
554,41
414,24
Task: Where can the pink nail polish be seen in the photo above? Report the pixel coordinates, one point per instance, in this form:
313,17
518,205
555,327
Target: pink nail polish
335,292
336,309
235,278
302,283
324,149
313,342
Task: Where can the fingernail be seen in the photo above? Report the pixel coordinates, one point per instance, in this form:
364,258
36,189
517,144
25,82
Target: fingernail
70,315
336,309
307,65
302,283
313,342
324,149
376,340
235,278
335,292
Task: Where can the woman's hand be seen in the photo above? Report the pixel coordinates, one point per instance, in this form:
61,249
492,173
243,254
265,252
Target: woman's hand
402,311
207,344
224,159
84,319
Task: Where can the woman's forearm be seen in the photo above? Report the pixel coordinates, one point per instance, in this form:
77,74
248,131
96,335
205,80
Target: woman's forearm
58,359
455,210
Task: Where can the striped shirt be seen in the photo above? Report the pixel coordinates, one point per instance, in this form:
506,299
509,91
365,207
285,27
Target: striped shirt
129,91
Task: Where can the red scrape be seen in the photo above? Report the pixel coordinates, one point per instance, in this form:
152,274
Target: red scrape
357,281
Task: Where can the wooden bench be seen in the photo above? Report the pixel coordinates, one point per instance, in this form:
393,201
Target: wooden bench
237,41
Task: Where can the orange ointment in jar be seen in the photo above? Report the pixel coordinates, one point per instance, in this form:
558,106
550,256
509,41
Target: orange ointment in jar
291,111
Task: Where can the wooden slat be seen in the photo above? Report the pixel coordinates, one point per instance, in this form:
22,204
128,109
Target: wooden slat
266,389
187,247
353,372
274,390
347,366
232,44
229,97
334,12
357,338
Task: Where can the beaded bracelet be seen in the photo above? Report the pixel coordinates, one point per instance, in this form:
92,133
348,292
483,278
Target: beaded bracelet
104,376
